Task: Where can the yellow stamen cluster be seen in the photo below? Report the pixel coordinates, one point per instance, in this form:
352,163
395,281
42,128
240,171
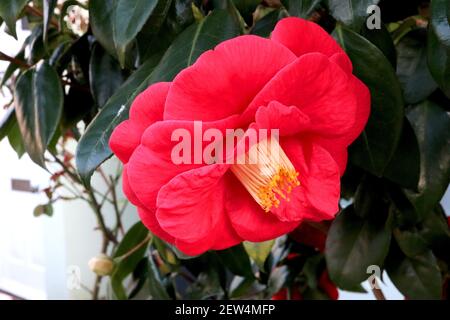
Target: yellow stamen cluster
267,174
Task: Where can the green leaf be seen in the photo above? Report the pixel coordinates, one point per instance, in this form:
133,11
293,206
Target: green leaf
259,251
246,9
410,242
155,282
301,8
12,67
383,40
16,141
7,123
151,39
37,48
128,20
165,251
39,101
352,245
412,67
134,237
49,6
375,147
105,75
432,127
404,167
41,209
435,231
207,284
277,280
370,199
311,270
265,26
352,13
93,147
416,277
439,61
236,260
440,17
101,15
9,12
241,287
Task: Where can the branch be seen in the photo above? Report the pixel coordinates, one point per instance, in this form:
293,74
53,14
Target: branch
135,248
20,63
376,291
38,13
115,205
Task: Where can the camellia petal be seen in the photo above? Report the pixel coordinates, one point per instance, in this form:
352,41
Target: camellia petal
191,204
288,120
223,81
302,37
319,88
319,177
249,220
148,218
152,166
147,108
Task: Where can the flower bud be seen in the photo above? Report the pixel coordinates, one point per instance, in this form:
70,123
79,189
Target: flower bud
101,265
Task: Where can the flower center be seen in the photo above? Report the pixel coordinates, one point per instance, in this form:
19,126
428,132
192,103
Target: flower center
267,173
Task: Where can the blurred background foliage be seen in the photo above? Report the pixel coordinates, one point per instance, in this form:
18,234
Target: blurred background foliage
84,62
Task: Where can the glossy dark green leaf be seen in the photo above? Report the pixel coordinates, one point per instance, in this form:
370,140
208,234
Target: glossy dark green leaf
48,7
375,147
165,251
265,26
37,47
370,199
352,13
7,123
301,8
353,244
12,67
16,141
39,101
101,15
151,39
105,75
416,277
246,9
404,167
93,147
435,231
124,267
241,287
440,15
277,280
432,127
439,61
383,40
206,286
259,251
236,260
411,242
178,18
155,282
128,20
311,269
412,67
9,12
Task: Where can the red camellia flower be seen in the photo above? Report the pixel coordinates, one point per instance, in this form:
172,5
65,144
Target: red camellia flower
299,81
